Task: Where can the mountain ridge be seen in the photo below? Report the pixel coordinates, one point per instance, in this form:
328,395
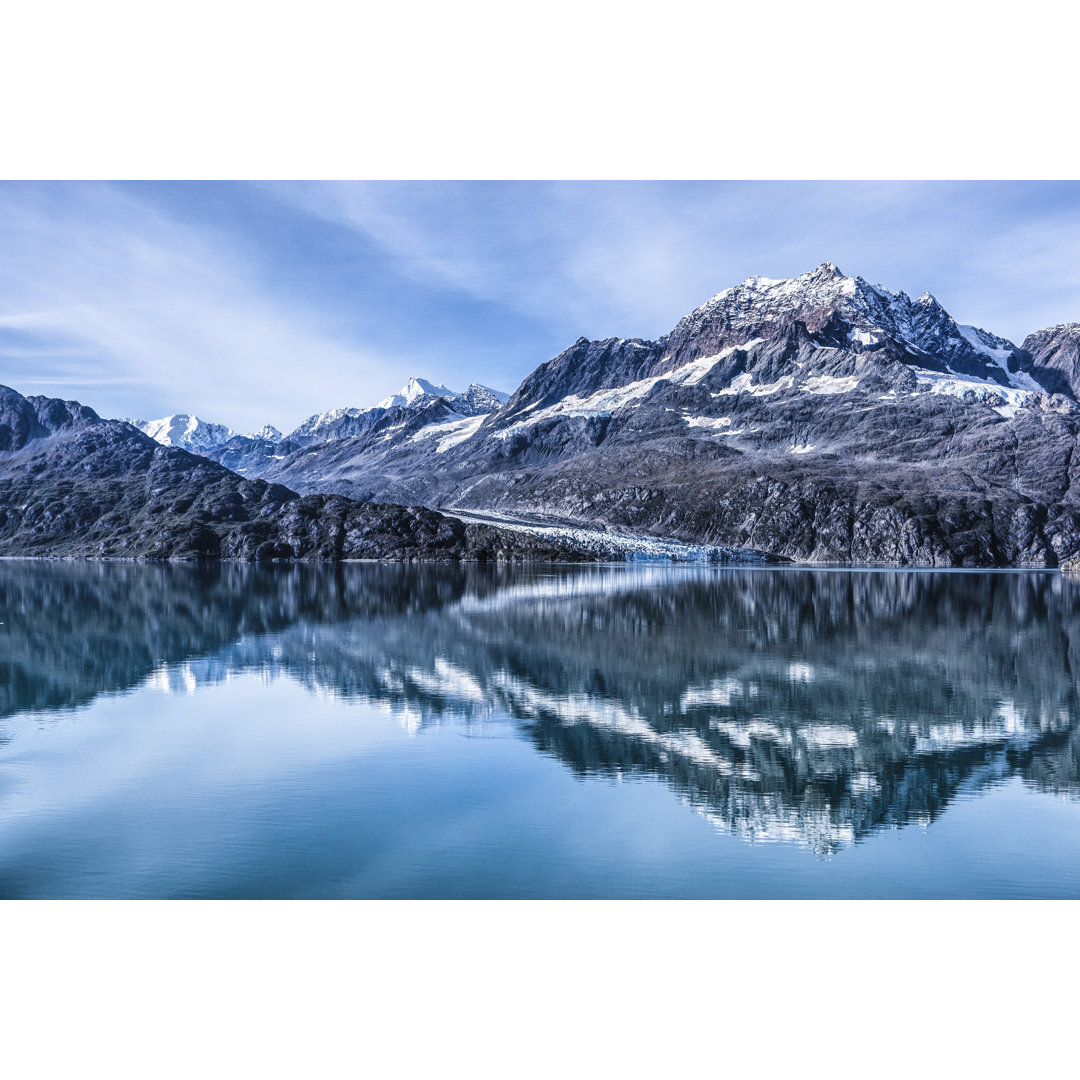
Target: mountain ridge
819,418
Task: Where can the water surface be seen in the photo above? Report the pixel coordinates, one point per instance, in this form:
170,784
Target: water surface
386,731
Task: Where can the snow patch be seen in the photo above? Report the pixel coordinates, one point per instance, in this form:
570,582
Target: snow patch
708,421
1004,400
830,384
605,402
742,384
991,346
450,433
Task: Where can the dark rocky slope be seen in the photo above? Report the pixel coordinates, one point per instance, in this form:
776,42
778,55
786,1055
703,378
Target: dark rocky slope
72,484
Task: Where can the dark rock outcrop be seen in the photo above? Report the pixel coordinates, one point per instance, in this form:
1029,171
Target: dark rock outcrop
1055,358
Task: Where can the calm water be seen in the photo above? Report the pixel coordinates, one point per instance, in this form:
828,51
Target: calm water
373,731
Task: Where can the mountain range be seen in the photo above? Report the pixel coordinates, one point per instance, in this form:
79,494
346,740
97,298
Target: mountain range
819,418
75,485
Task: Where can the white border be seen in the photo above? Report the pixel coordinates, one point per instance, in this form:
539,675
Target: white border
562,90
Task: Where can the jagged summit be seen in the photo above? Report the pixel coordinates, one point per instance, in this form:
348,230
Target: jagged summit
417,395
1055,356
479,399
413,394
835,319
826,299
267,432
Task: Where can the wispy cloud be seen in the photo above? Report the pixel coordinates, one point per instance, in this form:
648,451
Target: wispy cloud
629,258
165,316
256,303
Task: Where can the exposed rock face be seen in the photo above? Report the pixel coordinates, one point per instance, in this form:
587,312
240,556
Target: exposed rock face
1055,358
72,484
820,419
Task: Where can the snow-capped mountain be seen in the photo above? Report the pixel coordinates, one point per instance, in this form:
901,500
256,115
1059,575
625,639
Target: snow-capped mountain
418,404
416,395
848,309
478,400
818,417
413,394
267,432
199,436
186,431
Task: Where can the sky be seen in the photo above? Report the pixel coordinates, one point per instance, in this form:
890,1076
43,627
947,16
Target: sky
253,303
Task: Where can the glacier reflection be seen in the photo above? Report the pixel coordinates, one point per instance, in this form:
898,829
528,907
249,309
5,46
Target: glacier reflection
810,707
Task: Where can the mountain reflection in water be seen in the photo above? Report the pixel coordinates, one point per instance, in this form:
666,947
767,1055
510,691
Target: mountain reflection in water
796,705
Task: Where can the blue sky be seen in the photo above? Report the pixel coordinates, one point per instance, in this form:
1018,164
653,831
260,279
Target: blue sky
250,303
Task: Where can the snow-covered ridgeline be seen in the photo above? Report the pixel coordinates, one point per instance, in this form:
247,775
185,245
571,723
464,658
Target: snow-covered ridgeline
416,394
185,431
451,433
1006,400
605,402
872,312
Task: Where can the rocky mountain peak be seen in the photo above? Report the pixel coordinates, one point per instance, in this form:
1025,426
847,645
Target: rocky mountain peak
867,314
478,399
413,394
267,432
23,419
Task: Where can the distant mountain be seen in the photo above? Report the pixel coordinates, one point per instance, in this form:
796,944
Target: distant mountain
185,431
414,393
72,484
198,436
417,404
267,432
820,418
